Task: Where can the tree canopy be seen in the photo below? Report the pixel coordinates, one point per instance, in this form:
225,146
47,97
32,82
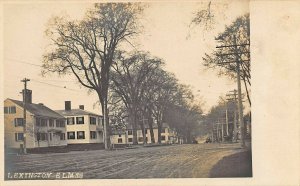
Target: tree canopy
86,48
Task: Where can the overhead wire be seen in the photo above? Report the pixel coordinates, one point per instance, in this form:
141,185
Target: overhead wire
64,87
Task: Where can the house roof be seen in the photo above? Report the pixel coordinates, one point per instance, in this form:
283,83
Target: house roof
129,127
39,109
75,112
154,125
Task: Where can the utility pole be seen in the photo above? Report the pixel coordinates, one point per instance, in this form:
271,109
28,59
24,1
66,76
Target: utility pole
237,61
218,138
222,131
240,105
226,115
25,80
212,135
234,99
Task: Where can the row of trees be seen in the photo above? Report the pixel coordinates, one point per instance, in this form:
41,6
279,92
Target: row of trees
146,92
132,84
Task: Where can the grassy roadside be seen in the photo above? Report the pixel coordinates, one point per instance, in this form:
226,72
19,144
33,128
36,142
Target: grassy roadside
235,165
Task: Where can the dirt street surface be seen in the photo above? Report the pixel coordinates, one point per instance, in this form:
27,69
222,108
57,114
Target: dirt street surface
176,161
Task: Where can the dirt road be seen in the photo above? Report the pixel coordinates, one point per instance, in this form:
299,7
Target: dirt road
176,161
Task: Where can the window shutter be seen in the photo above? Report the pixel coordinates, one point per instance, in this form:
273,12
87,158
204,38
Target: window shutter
16,136
15,122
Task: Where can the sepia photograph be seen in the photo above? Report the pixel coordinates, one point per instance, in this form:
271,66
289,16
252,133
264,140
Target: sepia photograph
127,90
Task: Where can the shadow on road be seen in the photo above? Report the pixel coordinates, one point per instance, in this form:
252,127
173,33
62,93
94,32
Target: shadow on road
236,165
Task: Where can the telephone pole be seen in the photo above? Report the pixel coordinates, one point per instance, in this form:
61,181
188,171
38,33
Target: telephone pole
25,80
234,99
226,115
240,105
238,62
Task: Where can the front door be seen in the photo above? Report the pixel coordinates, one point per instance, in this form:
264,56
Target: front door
55,139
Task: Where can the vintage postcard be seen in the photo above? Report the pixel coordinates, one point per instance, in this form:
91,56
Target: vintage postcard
135,93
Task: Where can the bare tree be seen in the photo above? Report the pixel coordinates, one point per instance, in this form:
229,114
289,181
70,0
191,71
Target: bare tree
161,93
86,48
130,76
208,15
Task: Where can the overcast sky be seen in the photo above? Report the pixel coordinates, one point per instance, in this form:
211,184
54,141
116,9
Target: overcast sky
166,31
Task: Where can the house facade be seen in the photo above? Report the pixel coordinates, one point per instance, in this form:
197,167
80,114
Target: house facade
83,127
168,135
44,127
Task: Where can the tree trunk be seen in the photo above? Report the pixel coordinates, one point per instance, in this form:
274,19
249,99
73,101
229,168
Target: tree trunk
150,123
159,129
133,122
103,101
134,132
188,136
143,132
107,137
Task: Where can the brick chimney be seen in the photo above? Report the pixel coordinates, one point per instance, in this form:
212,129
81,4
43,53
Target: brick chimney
67,105
81,107
28,95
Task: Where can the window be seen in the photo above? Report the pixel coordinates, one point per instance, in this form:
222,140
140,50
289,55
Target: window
79,120
50,136
92,120
146,131
62,136
130,132
51,123
71,135
70,121
19,122
19,136
5,110
10,110
129,139
93,135
42,136
141,139
38,122
43,123
60,123
80,135
163,138
119,140
100,121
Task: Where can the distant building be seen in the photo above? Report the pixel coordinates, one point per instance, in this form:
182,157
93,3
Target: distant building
168,135
83,127
44,126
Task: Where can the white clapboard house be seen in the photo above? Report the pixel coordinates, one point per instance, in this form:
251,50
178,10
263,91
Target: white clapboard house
44,127
83,127
168,135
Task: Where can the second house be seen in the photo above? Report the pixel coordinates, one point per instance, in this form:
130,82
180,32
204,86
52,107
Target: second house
83,127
